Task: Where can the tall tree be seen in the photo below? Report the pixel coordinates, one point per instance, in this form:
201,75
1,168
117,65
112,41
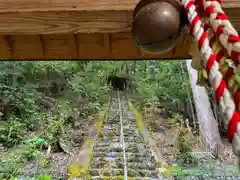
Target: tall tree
207,123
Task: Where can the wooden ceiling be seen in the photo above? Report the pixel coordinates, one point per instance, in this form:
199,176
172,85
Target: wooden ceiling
79,29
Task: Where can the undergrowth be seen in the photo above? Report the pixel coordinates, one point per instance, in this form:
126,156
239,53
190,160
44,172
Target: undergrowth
42,102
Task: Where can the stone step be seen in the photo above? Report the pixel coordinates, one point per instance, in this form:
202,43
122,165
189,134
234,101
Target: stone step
118,162
107,144
100,165
130,159
120,171
141,165
135,141
108,158
115,149
109,139
138,159
106,172
107,149
116,154
108,152
119,178
113,146
129,140
134,163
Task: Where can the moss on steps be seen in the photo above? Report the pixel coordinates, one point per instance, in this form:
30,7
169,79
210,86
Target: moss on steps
149,141
80,169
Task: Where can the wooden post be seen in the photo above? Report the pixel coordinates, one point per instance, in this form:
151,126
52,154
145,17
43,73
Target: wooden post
207,123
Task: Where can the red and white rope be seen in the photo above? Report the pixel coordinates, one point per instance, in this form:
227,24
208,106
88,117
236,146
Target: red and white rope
223,96
228,73
228,36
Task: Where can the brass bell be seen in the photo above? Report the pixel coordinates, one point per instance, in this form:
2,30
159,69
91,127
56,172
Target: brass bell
157,24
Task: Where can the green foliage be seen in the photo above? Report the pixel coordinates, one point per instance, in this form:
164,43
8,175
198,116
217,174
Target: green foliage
35,141
33,147
10,166
178,171
54,128
12,162
44,98
89,85
159,81
72,85
45,178
24,84
184,146
11,131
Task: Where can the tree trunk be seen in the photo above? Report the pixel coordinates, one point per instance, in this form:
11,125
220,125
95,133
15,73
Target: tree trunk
207,123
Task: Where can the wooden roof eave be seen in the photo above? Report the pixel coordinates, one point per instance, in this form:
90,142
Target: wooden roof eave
61,29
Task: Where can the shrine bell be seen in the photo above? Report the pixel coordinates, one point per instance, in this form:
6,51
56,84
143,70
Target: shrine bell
157,24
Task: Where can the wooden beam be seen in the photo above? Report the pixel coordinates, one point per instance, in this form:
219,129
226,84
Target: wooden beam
79,5
57,22
66,5
5,51
79,29
83,46
18,17
30,47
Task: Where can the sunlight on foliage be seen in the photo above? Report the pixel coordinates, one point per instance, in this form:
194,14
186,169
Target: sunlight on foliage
43,102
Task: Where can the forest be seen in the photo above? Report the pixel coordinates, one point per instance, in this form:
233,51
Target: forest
48,107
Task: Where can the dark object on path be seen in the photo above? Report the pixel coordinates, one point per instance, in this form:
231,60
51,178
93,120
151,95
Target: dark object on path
118,83
157,24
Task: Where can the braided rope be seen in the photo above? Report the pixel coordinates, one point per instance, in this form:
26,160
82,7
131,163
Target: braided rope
224,30
229,39
223,96
221,55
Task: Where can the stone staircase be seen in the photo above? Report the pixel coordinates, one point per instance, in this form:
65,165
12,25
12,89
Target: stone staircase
108,156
